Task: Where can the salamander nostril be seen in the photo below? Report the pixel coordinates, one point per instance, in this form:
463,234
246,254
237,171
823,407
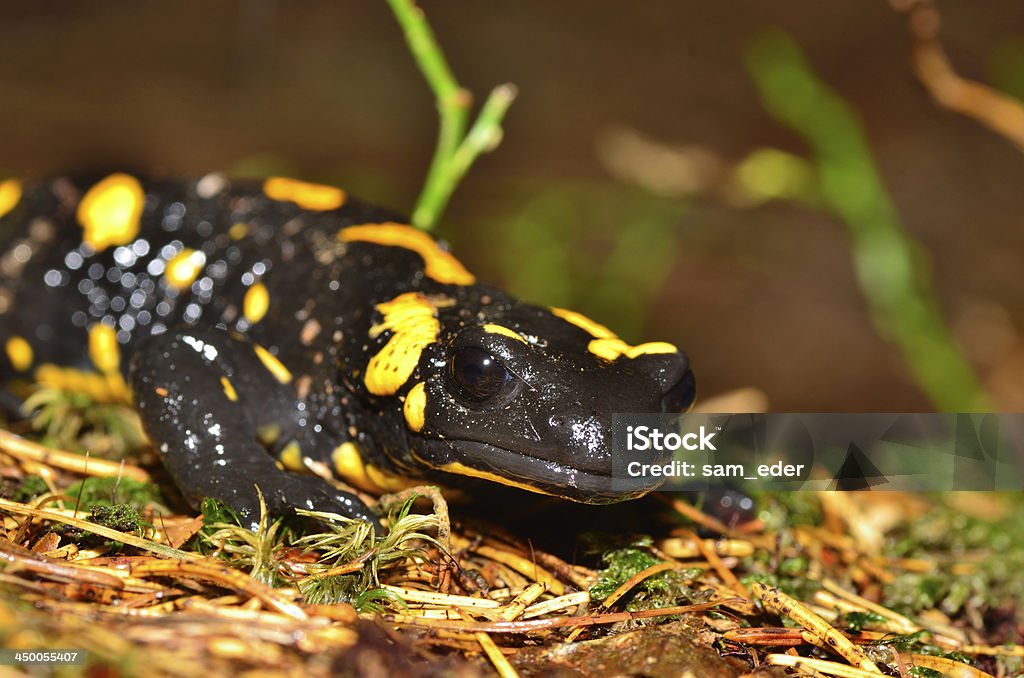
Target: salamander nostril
680,397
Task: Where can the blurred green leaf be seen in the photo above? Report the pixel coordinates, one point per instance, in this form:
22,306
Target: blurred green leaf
596,247
890,265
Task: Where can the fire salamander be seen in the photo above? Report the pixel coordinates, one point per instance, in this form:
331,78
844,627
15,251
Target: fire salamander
280,334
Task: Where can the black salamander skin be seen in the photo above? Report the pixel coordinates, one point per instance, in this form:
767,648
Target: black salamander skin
270,333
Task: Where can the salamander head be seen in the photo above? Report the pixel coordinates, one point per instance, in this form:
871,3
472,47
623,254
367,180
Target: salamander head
523,395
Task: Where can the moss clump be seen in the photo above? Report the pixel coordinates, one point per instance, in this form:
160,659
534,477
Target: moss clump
664,589
93,492
120,517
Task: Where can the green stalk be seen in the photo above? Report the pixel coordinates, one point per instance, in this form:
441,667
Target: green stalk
456,150
890,264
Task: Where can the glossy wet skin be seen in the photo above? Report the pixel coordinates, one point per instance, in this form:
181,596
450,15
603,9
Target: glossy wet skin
536,409
277,328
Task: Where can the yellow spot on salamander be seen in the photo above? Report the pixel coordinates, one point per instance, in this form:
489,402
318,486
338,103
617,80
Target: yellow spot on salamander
291,457
308,196
385,481
10,194
103,349
268,434
110,211
438,264
349,466
256,303
605,344
412,319
238,231
101,388
275,366
19,352
463,470
183,268
415,408
501,329
229,389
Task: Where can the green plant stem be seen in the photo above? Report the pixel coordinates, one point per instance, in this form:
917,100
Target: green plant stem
890,265
483,136
456,150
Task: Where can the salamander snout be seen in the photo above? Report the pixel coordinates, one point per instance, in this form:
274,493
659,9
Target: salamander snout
672,374
680,396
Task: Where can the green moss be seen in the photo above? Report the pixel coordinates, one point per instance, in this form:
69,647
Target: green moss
29,488
855,621
621,565
794,567
949,537
335,589
92,492
348,541
784,510
73,421
261,552
662,590
120,517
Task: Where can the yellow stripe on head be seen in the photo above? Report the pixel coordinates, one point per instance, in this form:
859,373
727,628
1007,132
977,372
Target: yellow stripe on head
438,265
595,329
275,366
110,211
103,348
504,331
10,195
19,352
412,320
183,268
316,197
605,344
256,303
611,349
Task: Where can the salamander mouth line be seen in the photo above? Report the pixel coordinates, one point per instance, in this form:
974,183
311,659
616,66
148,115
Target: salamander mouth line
496,455
475,458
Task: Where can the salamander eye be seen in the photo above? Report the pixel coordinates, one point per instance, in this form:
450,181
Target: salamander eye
477,374
680,397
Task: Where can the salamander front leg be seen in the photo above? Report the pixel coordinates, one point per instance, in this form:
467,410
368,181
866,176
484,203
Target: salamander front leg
202,396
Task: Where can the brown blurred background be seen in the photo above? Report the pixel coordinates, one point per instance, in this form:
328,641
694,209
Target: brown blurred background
759,296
